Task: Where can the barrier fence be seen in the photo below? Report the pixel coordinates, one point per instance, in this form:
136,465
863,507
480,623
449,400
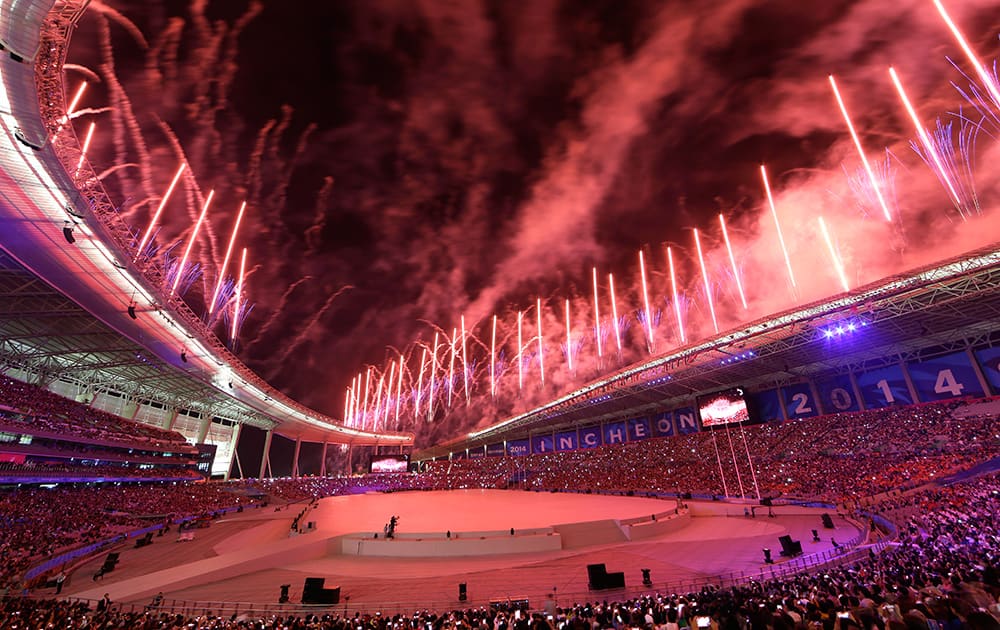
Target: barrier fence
847,553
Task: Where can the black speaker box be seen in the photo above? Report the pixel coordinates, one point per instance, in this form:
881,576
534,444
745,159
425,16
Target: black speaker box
789,547
595,575
827,521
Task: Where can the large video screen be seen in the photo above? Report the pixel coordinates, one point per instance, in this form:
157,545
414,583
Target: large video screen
396,463
725,407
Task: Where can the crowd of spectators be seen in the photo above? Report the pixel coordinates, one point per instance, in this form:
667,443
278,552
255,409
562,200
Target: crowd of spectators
835,458
37,522
942,573
55,470
30,408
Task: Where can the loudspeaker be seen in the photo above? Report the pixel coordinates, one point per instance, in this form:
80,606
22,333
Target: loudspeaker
462,593
595,575
68,235
646,580
131,311
314,593
283,598
789,547
615,580
827,521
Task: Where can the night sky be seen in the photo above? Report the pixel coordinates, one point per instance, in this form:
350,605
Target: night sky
409,162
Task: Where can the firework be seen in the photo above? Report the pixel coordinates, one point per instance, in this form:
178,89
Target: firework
239,295
190,245
597,319
520,368
83,151
956,162
388,394
225,261
541,347
677,304
928,145
465,364
645,302
777,226
989,81
569,340
364,403
614,313
704,277
76,101
861,152
837,263
159,211
493,359
732,261
420,384
399,387
451,364
430,391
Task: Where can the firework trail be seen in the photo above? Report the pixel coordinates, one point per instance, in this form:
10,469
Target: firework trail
647,321
305,331
568,348
156,216
861,151
929,147
777,226
614,314
282,301
125,126
953,166
541,346
194,237
597,319
225,261
837,263
704,277
732,262
989,81
83,151
673,287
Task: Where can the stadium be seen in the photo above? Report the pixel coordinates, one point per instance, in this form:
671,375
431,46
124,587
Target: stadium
831,460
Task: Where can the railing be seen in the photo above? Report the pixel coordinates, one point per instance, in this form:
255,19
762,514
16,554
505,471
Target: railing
101,545
848,552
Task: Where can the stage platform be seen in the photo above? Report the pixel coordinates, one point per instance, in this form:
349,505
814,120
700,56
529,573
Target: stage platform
246,557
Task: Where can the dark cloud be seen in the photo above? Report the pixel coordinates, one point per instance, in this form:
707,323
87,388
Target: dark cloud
407,163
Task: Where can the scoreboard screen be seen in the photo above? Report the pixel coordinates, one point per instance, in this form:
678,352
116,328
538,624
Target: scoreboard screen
397,463
722,408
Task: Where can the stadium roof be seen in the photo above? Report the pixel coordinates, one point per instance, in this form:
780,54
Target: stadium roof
68,275
950,306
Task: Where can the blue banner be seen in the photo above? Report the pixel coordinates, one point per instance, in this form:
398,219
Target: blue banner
989,361
517,448
799,401
567,441
837,395
663,424
477,452
687,420
768,405
614,433
495,450
940,378
884,387
590,437
638,429
542,444
457,456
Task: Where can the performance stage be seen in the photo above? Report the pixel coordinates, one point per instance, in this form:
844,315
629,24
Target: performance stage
556,535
